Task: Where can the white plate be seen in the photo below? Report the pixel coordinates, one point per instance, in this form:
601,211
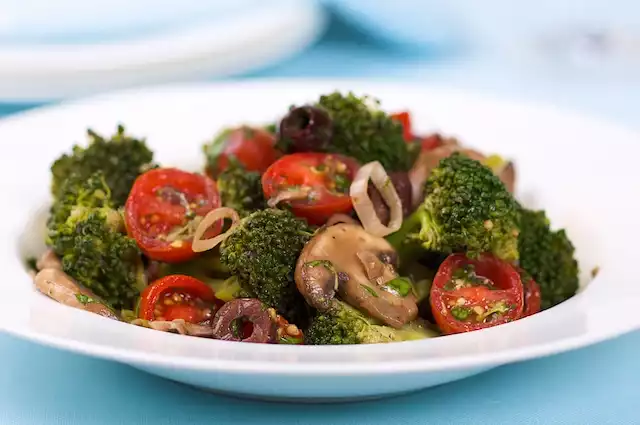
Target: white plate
582,170
244,38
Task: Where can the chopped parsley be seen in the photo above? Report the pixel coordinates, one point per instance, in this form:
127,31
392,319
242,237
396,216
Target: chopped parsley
461,313
465,277
400,285
286,339
85,299
342,183
370,290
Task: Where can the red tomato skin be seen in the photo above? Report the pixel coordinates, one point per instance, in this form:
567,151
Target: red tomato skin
141,199
505,277
292,169
430,142
404,118
172,283
532,298
254,148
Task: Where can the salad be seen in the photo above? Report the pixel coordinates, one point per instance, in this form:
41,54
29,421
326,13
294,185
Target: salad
336,224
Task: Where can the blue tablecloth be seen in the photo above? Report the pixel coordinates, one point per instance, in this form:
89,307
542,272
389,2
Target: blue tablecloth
596,385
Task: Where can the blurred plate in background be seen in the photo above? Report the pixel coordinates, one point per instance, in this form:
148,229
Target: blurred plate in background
73,49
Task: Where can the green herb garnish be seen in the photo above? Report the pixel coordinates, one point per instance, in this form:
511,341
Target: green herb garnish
370,290
343,183
85,299
401,285
461,313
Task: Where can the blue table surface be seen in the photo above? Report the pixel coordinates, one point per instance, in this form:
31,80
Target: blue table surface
595,385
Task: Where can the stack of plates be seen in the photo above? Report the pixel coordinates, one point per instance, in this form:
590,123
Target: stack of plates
52,50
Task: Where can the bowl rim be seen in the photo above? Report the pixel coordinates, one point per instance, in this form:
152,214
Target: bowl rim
390,366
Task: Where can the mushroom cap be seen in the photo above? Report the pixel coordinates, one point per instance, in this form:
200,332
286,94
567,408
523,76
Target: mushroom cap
61,287
344,258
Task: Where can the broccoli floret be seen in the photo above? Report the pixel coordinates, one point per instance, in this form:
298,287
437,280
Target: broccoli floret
466,209
363,131
77,192
91,243
262,252
121,158
241,189
342,324
208,268
548,256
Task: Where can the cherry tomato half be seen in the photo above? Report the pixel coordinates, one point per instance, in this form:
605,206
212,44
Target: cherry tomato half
532,301
254,148
472,294
317,182
162,209
404,118
178,297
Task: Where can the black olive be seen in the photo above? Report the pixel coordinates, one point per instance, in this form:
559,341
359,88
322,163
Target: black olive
249,309
306,129
402,184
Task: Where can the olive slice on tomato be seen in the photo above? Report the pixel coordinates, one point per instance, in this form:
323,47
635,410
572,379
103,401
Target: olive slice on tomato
165,207
178,297
471,294
315,185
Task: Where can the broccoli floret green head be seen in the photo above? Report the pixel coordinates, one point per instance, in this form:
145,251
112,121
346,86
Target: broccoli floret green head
549,257
121,159
342,324
88,236
262,252
466,209
365,132
77,192
241,189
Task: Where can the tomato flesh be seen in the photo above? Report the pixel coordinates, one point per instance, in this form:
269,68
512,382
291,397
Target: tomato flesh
532,300
472,294
178,297
162,210
319,183
254,148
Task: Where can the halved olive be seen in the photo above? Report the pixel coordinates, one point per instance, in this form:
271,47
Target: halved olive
306,129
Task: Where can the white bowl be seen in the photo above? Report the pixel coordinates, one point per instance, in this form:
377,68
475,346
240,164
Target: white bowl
581,170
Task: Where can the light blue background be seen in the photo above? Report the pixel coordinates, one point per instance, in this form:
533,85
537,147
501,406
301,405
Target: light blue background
597,385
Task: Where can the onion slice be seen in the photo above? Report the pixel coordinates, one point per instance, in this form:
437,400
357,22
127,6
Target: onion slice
201,245
364,206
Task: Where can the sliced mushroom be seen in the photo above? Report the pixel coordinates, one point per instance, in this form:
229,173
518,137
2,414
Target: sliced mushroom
344,258
58,285
177,325
49,260
508,176
429,159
